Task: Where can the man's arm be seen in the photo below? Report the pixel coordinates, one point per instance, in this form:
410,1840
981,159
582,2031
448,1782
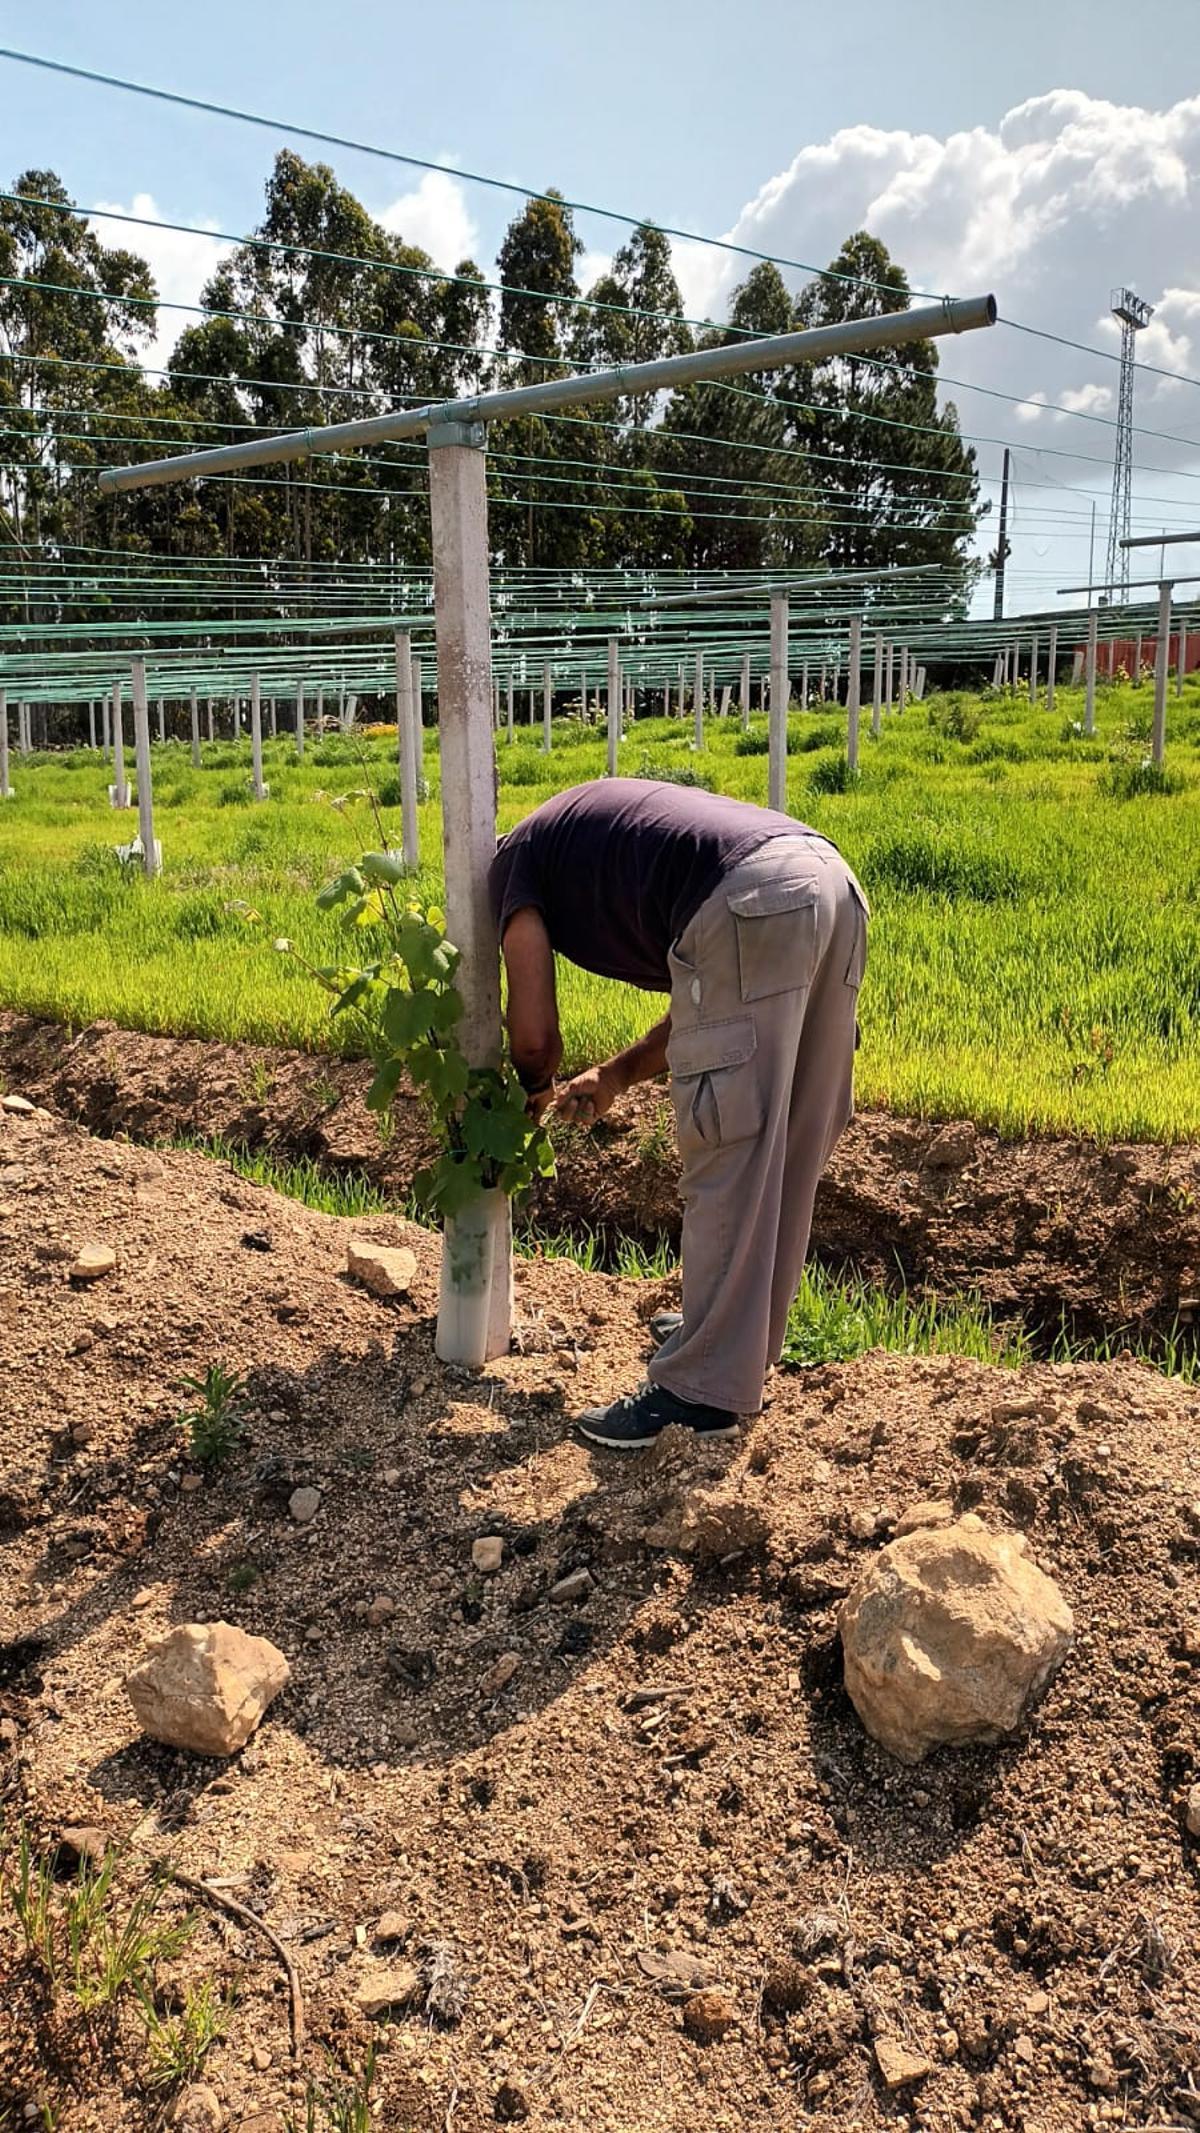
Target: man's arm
589,1095
532,1016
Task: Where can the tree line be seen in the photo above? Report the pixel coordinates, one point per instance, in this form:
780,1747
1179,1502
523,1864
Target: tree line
322,315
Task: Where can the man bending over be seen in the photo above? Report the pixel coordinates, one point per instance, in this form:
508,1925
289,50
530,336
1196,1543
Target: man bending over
757,929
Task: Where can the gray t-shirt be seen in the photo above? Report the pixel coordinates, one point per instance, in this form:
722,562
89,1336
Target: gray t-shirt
619,867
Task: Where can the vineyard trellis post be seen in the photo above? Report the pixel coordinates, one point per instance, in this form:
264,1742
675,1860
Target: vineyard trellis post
777,727
1089,671
5,786
410,834
194,710
151,855
1162,655
853,689
613,704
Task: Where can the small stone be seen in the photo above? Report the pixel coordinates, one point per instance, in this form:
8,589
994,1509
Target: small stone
898,2066
20,1106
1037,2004
387,1270
953,1148
511,2103
190,1483
862,1525
206,1686
382,1990
82,1844
304,1505
709,2015
935,1512
197,2110
1192,1812
91,1263
575,1586
261,2059
392,1477
391,1926
487,1554
1023,2049
498,1676
380,1609
80,1345
82,1432
144,1597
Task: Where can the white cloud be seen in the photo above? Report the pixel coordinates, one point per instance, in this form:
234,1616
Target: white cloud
589,267
181,261
1065,198
435,216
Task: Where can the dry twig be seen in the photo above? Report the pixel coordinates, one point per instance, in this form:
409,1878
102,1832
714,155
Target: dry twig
248,1917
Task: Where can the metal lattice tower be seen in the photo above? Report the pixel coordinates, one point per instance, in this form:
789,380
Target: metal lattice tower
1133,314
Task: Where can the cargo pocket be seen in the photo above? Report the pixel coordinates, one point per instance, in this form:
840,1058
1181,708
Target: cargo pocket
776,936
714,1085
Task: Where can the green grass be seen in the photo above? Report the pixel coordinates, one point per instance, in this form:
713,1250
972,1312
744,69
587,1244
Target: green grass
832,1320
1033,959
331,1192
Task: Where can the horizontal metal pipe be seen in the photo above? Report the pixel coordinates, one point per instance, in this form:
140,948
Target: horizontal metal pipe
1158,540
817,345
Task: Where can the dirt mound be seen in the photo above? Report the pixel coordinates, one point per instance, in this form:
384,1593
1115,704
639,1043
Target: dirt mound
641,1863
1064,1234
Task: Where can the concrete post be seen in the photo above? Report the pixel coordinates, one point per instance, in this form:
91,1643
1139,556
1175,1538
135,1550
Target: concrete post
320,712
1076,668
804,684
1033,667
273,719
877,687
260,790
1089,705
194,707
1162,654
418,702
105,727
853,692
1051,663
151,857
726,692
744,692
888,652
208,717
118,790
91,723
902,697
162,721
299,721
5,787
614,703
698,702
1137,662
1181,667
547,709
406,751
236,709
475,1312
511,692
777,724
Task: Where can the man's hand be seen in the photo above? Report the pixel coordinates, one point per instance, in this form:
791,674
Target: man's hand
581,1101
538,1102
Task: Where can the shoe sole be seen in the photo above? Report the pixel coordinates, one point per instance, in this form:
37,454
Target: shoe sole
641,1444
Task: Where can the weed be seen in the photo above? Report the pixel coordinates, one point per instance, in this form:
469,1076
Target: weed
215,1424
177,2045
1129,779
242,1577
956,716
835,775
332,1192
342,2104
833,1320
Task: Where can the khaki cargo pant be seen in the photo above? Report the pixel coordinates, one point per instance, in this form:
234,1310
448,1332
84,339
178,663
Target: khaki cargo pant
764,987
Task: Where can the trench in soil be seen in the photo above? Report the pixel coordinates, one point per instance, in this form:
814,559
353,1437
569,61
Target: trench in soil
1085,1247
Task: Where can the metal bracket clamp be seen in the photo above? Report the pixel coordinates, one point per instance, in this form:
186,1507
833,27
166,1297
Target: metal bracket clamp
472,434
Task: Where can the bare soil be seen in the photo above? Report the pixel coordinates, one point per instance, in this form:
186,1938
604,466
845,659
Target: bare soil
663,1787
1062,1233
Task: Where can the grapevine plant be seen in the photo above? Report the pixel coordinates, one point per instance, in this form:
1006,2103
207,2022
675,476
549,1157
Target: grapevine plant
409,1007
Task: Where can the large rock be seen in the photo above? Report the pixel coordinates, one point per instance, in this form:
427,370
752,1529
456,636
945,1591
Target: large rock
206,1686
385,1269
949,1636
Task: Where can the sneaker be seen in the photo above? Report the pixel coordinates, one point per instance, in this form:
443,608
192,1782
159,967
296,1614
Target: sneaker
639,1417
664,1324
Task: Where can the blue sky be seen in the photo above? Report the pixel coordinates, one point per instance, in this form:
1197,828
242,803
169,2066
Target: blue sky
781,122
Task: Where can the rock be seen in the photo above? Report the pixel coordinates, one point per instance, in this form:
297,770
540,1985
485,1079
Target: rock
391,1926
708,2015
950,1635
387,1270
898,2066
575,1586
862,1525
937,1512
197,2110
1192,1812
498,1676
82,1844
381,1990
91,1263
20,1106
487,1553
205,1687
304,1505
953,1148
379,1610
511,2103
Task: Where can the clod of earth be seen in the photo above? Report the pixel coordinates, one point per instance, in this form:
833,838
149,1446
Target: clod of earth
953,1148
206,1686
950,1636
709,2015
898,2066
387,1270
937,1512
92,1262
381,1990
197,2110
1192,1812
